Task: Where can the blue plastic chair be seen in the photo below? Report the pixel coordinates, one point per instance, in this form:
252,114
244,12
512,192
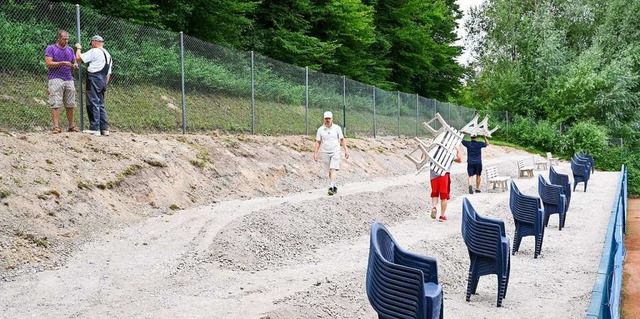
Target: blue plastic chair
581,172
553,201
562,180
589,159
401,284
488,247
528,217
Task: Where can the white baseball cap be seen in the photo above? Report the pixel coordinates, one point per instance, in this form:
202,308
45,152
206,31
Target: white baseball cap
328,115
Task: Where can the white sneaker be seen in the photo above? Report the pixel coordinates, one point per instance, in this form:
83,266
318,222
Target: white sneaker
97,133
105,133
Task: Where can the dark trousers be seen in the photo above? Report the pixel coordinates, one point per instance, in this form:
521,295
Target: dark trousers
96,86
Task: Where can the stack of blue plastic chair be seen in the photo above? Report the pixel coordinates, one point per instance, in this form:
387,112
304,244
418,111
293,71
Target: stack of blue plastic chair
401,284
589,159
528,217
581,172
553,201
488,247
562,180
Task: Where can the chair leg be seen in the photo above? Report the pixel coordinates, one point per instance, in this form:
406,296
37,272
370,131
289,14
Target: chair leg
469,284
516,242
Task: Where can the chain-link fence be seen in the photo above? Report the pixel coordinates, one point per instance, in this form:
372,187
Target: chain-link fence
165,81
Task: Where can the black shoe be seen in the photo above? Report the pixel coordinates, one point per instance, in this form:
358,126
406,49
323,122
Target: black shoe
477,190
335,189
331,191
470,189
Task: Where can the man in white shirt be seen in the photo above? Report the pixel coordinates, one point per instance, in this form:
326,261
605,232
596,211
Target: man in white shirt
98,74
329,138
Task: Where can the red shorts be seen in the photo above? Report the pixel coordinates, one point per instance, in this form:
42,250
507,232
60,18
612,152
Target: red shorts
441,186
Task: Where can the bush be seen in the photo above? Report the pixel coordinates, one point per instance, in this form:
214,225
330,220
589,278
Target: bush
587,137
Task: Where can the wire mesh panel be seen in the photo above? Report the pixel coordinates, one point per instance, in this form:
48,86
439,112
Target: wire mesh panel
218,87
426,111
27,29
386,121
325,94
359,101
408,121
144,92
280,90
222,90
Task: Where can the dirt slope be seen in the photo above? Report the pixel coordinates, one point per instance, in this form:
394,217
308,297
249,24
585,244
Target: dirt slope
58,191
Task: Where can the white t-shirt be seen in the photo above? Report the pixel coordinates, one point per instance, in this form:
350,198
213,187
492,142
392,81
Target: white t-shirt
95,58
330,138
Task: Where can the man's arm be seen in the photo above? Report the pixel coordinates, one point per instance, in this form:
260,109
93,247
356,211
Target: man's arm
458,158
486,140
78,52
343,142
315,152
48,62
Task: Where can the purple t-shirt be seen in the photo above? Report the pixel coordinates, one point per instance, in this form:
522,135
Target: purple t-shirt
60,54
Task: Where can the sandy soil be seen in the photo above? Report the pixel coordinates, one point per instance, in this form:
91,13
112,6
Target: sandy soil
196,226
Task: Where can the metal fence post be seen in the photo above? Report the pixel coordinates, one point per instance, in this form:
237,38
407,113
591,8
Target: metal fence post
417,116
80,91
253,96
184,104
344,103
306,100
398,92
374,111
507,116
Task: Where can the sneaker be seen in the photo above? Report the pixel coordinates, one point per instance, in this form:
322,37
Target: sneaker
331,192
442,218
105,133
434,212
470,189
478,190
335,189
97,133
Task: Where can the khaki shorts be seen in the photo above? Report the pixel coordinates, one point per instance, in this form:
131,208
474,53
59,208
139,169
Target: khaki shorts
62,93
331,160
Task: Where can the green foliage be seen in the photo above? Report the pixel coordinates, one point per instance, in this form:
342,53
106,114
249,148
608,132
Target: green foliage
587,137
421,53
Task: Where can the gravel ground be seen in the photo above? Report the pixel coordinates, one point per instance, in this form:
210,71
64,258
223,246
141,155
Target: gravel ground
303,254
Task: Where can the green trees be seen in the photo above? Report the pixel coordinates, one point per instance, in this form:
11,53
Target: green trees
562,61
420,35
402,45
573,64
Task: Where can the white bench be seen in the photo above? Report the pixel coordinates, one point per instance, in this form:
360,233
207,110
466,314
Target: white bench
495,180
524,169
540,163
552,159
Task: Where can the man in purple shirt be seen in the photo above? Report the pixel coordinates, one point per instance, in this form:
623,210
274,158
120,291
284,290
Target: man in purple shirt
59,59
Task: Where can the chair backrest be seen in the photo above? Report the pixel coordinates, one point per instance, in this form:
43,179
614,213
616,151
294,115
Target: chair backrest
394,291
523,207
549,155
520,163
549,194
579,168
562,180
482,238
492,172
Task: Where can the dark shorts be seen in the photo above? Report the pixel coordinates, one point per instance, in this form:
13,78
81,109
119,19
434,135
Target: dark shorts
441,186
474,169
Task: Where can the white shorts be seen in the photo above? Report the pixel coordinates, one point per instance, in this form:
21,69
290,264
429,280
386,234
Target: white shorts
62,93
331,160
